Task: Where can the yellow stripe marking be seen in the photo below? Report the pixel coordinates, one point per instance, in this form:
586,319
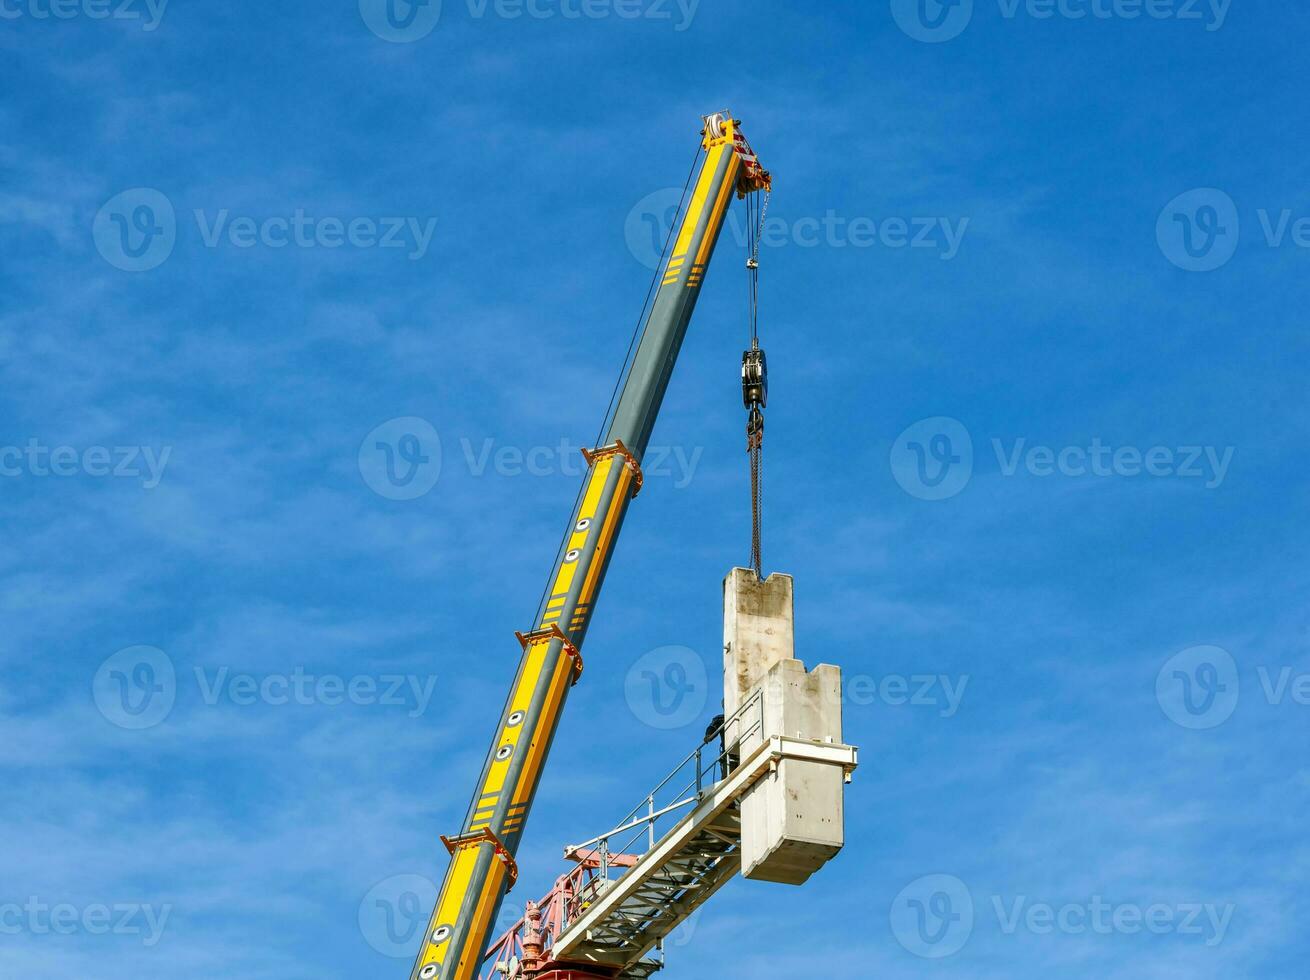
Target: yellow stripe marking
458,882
704,187
599,473
606,535
534,664
720,210
537,750
471,959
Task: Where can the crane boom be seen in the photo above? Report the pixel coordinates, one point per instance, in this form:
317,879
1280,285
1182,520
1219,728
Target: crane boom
482,866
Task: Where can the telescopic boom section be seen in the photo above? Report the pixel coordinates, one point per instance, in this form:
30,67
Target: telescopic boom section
482,867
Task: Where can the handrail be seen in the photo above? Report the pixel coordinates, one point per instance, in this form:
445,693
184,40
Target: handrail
576,891
689,794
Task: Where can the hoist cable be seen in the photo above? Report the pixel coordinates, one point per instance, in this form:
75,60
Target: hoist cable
752,262
637,330
624,369
756,215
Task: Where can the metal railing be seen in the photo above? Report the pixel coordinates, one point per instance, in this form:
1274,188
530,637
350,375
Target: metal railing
684,787
640,831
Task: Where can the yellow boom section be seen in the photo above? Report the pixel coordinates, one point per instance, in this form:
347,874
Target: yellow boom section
483,867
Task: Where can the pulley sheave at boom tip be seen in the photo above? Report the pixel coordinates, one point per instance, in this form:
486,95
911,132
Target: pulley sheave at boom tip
753,177
482,855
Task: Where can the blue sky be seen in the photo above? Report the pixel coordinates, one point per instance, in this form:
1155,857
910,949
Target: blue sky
1033,301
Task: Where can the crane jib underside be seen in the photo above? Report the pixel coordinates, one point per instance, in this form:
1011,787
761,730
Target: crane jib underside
482,867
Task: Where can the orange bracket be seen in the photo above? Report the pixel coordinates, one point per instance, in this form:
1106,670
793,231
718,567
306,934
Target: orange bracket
485,836
553,632
618,449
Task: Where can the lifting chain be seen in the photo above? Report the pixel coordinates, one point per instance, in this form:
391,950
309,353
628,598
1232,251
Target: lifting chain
755,447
